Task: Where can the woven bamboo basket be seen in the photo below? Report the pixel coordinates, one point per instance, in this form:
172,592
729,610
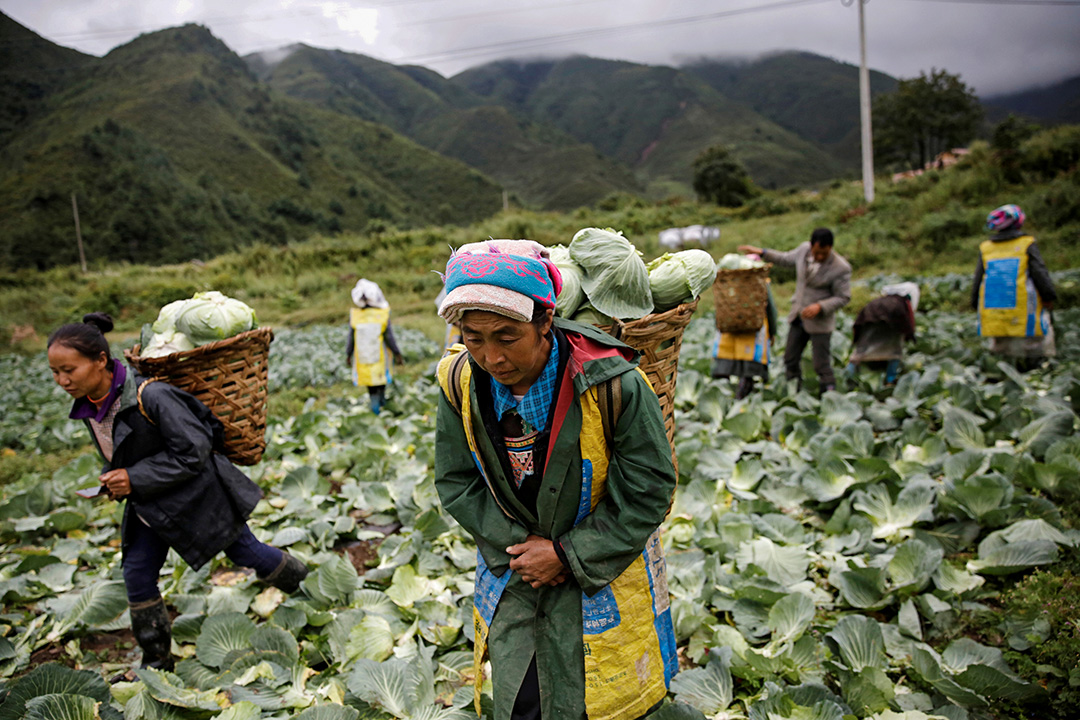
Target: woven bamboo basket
741,296
229,376
658,337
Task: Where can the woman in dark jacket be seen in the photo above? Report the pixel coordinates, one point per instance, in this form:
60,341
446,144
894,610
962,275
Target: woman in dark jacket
159,455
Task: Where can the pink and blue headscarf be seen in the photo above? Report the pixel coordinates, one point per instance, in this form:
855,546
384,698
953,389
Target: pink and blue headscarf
1006,217
508,277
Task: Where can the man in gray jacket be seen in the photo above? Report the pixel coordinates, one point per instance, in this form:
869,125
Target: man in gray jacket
822,286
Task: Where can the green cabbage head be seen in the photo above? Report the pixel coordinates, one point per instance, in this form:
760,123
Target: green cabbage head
738,261
572,295
166,319
616,280
680,277
210,316
166,343
588,315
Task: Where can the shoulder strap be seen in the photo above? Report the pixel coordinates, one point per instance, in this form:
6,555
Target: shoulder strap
138,396
609,402
453,384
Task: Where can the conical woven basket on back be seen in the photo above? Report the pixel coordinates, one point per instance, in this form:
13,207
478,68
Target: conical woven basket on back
229,376
658,337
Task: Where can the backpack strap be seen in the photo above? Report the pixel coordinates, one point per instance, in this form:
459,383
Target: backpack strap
138,396
453,380
609,402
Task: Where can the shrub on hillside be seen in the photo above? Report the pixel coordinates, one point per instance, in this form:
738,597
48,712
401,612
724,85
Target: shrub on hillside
1008,136
938,230
1058,203
619,201
763,206
1051,152
720,178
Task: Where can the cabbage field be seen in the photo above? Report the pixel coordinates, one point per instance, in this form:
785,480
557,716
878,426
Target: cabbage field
832,558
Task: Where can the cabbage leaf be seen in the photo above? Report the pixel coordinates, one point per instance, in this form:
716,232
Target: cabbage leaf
616,280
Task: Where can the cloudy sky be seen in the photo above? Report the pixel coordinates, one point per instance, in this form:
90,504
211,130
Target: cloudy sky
995,45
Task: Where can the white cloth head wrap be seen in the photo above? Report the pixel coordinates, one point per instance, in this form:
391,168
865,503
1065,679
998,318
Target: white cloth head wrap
367,294
905,289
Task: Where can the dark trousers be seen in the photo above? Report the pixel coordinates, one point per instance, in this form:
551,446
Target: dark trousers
527,704
145,555
819,348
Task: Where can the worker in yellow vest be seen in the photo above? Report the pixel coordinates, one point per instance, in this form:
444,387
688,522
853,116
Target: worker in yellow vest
746,355
1013,292
453,332
370,336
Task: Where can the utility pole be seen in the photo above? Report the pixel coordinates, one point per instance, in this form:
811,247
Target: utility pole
78,232
864,107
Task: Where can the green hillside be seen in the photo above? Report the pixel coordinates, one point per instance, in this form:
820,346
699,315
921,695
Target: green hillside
653,119
814,97
1052,105
923,228
545,168
177,152
31,68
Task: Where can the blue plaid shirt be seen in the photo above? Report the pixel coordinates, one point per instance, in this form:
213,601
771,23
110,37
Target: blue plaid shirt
533,408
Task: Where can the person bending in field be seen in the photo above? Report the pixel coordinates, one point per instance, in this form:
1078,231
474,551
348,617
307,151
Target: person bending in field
822,286
370,336
881,328
563,494
1013,292
159,445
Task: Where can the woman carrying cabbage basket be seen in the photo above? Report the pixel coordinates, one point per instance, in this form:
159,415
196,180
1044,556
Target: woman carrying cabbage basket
159,446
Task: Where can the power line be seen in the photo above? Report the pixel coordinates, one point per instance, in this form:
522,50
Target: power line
495,13
559,38
1014,3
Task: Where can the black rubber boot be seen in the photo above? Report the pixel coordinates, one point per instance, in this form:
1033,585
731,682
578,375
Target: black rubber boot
153,631
288,574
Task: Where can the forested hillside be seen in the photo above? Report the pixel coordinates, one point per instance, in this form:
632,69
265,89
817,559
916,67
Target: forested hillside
651,118
543,167
775,86
175,151
32,69
175,148
1051,105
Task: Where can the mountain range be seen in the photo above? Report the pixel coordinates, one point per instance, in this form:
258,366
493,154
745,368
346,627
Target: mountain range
175,148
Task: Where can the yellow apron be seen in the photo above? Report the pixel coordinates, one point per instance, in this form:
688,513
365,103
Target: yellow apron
370,366
618,648
453,337
750,347
1009,305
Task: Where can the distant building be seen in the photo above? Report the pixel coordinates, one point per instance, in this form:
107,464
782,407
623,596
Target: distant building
945,159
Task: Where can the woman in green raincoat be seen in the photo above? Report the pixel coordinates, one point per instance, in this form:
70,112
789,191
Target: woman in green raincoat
551,452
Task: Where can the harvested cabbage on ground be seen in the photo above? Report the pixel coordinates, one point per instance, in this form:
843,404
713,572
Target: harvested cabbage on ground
616,279
676,278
